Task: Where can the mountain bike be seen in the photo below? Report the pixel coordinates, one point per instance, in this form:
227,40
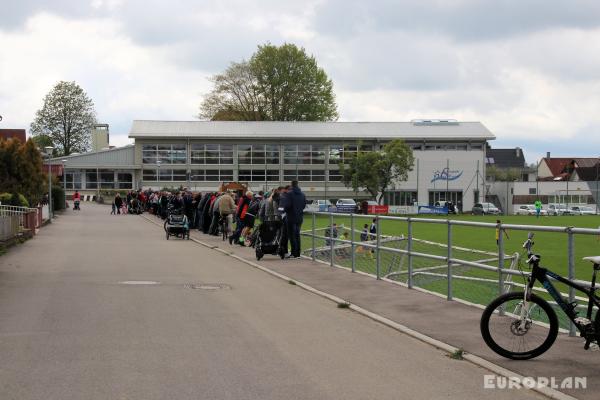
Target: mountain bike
522,325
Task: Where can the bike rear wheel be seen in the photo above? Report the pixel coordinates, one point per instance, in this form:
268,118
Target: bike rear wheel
515,337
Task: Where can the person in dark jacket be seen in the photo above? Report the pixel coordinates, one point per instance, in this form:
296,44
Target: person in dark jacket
200,211
206,217
293,205
118,203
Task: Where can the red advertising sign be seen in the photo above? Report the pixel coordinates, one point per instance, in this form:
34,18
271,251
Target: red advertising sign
377,209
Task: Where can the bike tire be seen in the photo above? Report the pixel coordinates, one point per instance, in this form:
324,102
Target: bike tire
511,354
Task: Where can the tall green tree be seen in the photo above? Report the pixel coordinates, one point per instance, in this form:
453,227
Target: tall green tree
278,83
67,118
375,171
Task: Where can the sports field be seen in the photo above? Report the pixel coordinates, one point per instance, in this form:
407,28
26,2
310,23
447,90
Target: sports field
468,243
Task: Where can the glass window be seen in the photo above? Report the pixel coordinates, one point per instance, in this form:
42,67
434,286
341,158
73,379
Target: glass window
197,153
317,175
290,154
335,175
245,175
179,175
212,175
258,154
318,154
400,198
124,180
73,179
165,174
226,175
335,153
272,153
149,175
244,154
107,179
197,175
166,153
226,154
91,179
212,153
272,175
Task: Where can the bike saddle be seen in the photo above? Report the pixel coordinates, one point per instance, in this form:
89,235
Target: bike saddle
595,260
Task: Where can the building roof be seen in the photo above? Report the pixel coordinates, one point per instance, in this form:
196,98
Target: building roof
13,133
119,157
588,173
562,168
416,130
505,158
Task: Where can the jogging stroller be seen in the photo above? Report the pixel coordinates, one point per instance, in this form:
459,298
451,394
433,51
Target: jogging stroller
269,238
134,207
177,224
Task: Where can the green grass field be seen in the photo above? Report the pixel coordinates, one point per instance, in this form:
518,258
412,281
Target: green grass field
551,246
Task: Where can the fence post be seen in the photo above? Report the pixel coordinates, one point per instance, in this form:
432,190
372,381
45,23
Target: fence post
352,242
314,220
331,239
378,259
571,250
410,257
449,296
500,258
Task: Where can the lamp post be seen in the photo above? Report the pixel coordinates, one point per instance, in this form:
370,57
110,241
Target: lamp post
64,162
49,154
158,162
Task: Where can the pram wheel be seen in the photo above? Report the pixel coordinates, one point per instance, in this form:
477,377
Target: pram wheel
168,235
259,254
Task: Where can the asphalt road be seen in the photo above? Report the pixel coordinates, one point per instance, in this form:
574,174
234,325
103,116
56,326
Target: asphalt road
69,329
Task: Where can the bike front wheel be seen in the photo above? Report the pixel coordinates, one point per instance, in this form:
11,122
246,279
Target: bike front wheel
518,330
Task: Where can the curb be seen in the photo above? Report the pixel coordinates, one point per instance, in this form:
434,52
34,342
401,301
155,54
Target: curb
473,359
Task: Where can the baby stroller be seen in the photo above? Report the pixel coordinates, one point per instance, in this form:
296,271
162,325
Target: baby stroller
134,207
268,239
177,224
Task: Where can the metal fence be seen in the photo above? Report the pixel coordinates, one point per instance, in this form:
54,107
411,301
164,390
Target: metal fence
432,254
14,221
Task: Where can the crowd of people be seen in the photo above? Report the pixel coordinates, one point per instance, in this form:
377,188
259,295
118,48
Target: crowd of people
211,212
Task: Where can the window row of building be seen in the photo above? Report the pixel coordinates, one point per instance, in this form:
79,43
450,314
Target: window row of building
261,154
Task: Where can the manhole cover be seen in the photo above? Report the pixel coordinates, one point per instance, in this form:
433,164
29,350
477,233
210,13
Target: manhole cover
139,283
207,286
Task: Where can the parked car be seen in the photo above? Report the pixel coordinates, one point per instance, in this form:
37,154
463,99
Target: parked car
558,209
582,210
346,205
318,205
529,209
485,208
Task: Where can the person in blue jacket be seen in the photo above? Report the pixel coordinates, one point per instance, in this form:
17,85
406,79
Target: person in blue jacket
293,204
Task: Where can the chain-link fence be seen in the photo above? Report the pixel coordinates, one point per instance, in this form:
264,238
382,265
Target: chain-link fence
470,261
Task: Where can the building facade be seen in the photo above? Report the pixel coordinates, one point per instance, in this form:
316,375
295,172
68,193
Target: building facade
449,157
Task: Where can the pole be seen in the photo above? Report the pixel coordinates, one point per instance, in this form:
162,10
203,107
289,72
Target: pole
449,295
49,192
477,187
500,259
571,254
352,242
314,218
597,165
410,257
331,239
378,262
447,181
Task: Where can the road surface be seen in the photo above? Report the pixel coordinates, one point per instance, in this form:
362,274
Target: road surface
70,328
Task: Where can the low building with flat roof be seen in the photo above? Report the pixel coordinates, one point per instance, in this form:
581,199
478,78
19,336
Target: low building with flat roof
449,157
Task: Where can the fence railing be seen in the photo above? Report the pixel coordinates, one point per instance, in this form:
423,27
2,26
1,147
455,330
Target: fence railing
15,220
453,258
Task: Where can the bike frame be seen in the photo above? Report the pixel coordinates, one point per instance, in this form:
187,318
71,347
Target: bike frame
543,276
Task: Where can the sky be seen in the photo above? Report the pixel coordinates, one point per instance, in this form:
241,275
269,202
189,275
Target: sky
529,70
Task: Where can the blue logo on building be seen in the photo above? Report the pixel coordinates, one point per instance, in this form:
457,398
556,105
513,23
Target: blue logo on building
446,175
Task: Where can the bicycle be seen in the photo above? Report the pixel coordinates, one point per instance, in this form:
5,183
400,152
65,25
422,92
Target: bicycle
528,325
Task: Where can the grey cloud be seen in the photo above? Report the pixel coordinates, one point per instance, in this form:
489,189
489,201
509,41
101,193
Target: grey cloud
470,20
15,12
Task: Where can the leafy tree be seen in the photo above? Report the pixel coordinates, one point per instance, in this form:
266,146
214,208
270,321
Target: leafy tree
21,169
277,84
67,117
374,171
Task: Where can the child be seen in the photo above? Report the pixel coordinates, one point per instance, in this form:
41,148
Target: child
373,229
364,235
114,209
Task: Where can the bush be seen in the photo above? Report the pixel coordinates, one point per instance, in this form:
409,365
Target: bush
58,198
13,199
